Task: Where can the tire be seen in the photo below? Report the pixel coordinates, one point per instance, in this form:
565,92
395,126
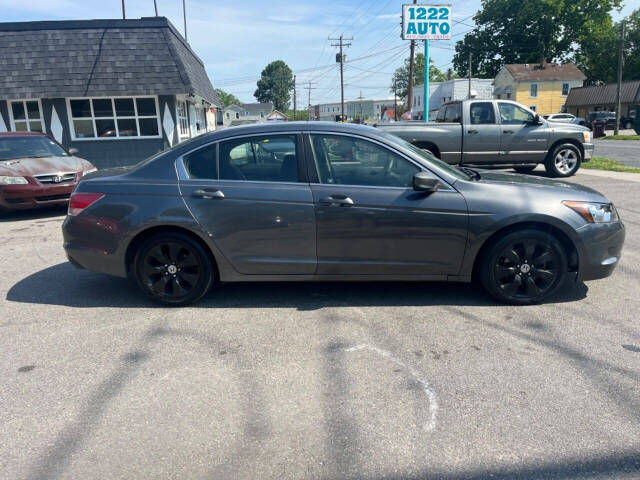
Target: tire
173,269
525,169
524,267
563,161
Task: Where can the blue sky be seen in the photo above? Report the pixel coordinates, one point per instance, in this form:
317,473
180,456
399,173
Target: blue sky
237,39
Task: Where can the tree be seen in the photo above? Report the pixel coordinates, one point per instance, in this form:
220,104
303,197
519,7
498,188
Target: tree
526,31
227,98
301,115
401,75
275,85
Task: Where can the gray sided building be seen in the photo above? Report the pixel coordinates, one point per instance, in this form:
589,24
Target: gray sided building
117,90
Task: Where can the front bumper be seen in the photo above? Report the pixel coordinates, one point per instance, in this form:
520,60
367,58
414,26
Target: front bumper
602,248
34,195
588,151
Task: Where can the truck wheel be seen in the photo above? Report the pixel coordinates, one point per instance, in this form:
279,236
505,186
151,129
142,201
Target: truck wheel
525,168
563,161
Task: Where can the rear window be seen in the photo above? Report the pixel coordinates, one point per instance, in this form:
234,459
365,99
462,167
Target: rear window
453,113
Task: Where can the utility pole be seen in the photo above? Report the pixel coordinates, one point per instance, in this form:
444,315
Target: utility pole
361,98
410,91
395,100
184,13
619,86
469,75
155,6
341,59
309,88
295,101
124,15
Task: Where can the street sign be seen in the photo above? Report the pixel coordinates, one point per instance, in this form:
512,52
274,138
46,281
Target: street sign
426,22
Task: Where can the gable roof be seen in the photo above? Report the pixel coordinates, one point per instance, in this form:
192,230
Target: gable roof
533,72
604,94
83,58
257,107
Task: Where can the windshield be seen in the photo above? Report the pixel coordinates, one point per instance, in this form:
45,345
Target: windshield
450,169
36,146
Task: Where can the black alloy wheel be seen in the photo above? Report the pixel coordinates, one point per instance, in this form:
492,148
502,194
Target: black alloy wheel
173,269
524,267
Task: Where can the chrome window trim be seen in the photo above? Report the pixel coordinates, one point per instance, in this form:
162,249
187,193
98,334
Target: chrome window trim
184,175
409,159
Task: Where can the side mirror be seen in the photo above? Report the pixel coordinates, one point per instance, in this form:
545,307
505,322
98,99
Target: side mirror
73,151
536,120
423,182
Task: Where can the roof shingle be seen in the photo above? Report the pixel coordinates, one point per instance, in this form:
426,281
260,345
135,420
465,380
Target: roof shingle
78,58
533,72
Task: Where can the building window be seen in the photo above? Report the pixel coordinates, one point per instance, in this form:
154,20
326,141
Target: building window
201,122
237,115
26,115
119,117
183,119
508,96
228,115
533,90
565,89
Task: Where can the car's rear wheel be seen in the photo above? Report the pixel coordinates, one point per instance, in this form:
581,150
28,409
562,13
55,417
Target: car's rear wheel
524,267
525,168
173,269
563,161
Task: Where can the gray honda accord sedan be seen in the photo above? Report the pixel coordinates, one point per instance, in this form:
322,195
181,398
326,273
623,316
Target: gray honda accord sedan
328,201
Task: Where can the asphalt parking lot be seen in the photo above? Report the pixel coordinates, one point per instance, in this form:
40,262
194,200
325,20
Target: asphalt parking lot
366,381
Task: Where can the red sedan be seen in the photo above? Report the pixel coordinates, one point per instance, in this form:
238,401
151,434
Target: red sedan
36,171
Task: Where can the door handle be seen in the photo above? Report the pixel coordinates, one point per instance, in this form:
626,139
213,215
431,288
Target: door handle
507,131
472,131
337,200
206,193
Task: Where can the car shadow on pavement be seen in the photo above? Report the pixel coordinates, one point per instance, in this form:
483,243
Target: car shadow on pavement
64,285
35,214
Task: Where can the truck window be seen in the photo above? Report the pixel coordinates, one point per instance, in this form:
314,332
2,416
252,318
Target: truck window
453,113
482,113
511,114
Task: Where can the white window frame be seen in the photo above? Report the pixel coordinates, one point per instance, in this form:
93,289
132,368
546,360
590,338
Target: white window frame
115,118
537,88
183,118
26,120
568,84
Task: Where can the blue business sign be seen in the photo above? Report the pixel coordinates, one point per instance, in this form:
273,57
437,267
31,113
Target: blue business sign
426,22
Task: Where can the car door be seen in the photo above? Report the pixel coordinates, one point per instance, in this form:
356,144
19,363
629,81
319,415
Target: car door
370,221
249,194
521,139
481,134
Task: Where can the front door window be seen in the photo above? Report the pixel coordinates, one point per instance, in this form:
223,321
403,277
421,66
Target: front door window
343,160
511,114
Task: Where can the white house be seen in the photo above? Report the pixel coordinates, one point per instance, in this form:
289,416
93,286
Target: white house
246,113
442,92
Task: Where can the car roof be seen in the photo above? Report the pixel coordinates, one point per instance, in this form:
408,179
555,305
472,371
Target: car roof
22,134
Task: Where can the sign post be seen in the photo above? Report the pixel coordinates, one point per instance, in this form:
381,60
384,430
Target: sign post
426,22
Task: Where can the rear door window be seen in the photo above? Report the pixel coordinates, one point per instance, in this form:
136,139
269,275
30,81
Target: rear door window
270,158
453,113
482,113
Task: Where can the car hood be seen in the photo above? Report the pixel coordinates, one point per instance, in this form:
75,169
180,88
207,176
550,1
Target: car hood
27,167
549,184
567,127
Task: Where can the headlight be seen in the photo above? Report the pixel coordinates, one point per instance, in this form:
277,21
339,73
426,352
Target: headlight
587,137
13,180
87,172
594,212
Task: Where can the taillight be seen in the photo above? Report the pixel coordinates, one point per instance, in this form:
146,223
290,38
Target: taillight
79,201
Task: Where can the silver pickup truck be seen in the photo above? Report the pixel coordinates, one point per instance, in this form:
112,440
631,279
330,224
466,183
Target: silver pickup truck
498,134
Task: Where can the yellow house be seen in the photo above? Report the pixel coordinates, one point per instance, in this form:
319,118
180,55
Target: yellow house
543,87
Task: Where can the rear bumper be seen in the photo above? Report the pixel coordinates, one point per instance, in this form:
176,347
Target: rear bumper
588,151
23,197
602,243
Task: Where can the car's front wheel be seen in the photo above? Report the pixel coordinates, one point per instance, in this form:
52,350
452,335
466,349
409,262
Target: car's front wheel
563,161
524,267
173,269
